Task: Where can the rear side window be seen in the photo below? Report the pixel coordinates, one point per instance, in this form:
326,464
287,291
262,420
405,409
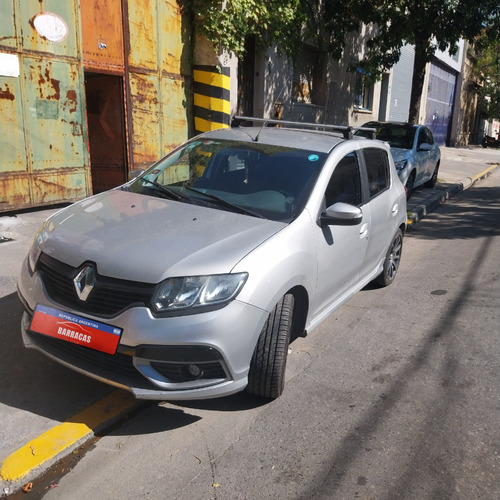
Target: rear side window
377,167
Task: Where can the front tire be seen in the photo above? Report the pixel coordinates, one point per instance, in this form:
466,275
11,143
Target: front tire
432,181
391,262
266,377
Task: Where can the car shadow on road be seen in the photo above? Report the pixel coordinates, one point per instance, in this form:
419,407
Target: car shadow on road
473,214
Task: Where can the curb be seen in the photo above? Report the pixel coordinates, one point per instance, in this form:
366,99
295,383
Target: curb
31,460
423,209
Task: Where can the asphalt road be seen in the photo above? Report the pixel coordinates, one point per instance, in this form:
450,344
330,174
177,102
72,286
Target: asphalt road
394,396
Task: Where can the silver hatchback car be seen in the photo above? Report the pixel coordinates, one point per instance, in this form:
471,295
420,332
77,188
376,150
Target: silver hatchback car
191,280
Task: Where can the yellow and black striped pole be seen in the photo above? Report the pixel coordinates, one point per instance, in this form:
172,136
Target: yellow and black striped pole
211,98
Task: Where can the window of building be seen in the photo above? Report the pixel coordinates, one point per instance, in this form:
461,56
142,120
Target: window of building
309,77
363,91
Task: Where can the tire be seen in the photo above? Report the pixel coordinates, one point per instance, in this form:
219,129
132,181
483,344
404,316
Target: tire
432,181
409,185
266,377
391,262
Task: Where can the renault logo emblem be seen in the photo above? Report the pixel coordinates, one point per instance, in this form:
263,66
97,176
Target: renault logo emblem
84,282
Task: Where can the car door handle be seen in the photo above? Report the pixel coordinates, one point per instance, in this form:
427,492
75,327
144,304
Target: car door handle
363,231
395,209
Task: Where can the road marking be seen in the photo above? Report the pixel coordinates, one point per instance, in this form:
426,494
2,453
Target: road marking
52,442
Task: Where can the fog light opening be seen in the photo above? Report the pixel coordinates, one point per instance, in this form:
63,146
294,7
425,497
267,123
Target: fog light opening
194,371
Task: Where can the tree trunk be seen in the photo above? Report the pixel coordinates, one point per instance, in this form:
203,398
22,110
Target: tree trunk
418,79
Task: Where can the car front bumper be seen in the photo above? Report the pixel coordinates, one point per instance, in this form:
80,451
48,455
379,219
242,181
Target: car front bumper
196,356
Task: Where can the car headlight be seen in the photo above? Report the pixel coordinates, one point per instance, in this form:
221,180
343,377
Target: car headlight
37,245
175,294
400,164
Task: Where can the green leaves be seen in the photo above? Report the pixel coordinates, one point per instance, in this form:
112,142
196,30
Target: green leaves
228,23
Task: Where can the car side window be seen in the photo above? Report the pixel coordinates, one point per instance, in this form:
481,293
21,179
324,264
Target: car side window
345,182
377,168
430,138
422,137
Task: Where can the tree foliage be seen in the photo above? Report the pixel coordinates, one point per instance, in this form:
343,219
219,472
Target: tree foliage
428,25
487,72
228,23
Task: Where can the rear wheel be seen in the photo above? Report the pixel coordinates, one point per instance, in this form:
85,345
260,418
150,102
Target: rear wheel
392,259
266,377
432,181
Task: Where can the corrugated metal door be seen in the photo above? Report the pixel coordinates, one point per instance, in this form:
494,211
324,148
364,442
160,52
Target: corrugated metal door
55,117
102,34
399,103
440,96
44,157
103,59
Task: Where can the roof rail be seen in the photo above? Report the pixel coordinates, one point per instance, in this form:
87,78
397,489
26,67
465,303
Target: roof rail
346,131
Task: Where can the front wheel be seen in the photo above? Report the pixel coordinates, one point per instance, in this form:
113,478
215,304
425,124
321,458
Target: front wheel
432,181
266,377
391,262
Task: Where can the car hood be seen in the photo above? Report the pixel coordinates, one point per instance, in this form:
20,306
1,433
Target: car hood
399,154
143,238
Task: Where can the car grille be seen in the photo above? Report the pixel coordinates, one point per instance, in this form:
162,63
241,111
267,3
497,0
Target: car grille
109,297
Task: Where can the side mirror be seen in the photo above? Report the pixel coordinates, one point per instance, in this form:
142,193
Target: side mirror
424,147
341,214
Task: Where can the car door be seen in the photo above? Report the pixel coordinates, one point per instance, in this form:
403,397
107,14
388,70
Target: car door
384,207
340,248
423,158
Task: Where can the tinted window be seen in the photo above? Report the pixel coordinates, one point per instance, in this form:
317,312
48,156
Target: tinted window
377,167
345,183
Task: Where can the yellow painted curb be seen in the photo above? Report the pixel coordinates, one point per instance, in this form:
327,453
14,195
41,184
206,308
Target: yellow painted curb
50,443
484,172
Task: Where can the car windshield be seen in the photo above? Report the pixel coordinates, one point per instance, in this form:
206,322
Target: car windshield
256,179
397,135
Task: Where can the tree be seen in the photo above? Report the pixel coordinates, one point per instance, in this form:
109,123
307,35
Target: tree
228,23
487,71
428,25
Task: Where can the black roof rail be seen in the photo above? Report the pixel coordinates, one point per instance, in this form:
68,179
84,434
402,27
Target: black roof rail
347,131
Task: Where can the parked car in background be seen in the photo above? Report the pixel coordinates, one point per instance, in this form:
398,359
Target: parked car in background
189,281
413,149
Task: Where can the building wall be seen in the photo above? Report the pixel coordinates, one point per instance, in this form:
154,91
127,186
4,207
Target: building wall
44,156
129,60
274,92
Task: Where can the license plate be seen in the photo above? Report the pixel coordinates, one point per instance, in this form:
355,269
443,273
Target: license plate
75,329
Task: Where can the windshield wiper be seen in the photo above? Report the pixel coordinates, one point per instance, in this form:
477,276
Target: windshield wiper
165,190
226,204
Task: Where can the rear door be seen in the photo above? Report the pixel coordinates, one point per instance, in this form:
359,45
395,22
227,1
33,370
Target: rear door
383,206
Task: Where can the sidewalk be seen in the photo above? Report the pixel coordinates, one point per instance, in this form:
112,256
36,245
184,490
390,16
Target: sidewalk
460,168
